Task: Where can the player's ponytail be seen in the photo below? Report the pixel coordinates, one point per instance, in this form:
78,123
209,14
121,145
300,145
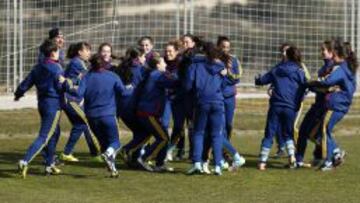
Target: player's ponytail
344,51
293,54
124,69
97,62
351,58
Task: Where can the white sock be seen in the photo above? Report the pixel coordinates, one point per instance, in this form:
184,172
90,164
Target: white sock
290,147
264,154
197,165
109,151
237,156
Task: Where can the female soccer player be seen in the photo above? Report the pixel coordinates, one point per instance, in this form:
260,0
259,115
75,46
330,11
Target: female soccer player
131,72
150,103
146,45
343,77
182,99
50,84
288,81
310,126
99,87
105,50
172,59
79,54
204,78
57,36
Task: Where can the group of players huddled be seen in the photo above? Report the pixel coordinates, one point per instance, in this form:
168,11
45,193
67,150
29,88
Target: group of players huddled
193,83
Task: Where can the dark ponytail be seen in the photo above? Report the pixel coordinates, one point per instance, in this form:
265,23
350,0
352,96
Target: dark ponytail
344,50
97,62
211,51
351,58
293,54
124,69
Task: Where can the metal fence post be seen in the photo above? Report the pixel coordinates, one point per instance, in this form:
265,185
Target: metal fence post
21,42
15,46
8,44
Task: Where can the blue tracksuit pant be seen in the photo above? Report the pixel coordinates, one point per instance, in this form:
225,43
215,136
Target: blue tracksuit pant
328,144
79,123
285,118
178,133
106,130
165,119
310,128
158,148
208,115
132,148
48,135
230,105
227,146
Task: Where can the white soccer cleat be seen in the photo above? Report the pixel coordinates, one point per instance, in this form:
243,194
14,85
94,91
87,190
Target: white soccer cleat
144,165
195,169
205,167
237,163
218,171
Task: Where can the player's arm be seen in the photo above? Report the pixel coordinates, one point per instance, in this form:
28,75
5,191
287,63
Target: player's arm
235,73
24,86
265,79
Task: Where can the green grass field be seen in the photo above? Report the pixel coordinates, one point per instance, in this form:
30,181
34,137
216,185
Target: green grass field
88,182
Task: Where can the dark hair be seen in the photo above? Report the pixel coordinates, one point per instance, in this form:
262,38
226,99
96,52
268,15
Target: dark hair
102,45
222,39
145,38
294,54
344,50
351,58
175,43
74,49
47,47
124,68
283,45
97,62
212,52
154,61
327,45
54,32
194,38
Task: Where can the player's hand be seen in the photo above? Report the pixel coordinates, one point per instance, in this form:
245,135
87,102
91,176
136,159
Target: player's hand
61,79
224,72
16,98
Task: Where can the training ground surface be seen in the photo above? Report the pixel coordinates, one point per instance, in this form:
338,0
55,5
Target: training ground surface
88,182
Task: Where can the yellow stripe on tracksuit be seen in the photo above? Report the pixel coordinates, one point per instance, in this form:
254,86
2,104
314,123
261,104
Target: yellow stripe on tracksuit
235,76
49,134
324,133
81,114
306,70
296,128
162,134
